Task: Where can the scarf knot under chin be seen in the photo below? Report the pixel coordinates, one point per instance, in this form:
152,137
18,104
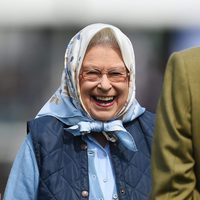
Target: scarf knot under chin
115,128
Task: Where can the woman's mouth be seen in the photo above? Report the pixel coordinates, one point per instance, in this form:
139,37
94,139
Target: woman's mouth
104,101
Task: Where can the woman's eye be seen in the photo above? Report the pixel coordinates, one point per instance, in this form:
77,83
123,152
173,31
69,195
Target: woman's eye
92,72
115,74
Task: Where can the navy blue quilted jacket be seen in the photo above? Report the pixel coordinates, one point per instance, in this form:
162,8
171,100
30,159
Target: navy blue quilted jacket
62,161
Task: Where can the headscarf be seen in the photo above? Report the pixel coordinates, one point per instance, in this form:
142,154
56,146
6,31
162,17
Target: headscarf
66,104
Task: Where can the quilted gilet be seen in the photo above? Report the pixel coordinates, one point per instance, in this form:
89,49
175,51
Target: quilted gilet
62,161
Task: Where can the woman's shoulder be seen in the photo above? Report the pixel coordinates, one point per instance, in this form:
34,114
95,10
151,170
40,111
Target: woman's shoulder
147,117
146,121
43,127
43,122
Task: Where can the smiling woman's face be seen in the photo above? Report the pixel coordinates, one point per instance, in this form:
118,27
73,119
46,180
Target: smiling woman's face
103,98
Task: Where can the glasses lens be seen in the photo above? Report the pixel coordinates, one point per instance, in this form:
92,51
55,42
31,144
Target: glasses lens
117,76
92,75
113,76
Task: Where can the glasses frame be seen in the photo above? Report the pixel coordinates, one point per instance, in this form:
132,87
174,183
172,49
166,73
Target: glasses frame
99,77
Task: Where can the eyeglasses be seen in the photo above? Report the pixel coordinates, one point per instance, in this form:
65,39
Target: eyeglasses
114,75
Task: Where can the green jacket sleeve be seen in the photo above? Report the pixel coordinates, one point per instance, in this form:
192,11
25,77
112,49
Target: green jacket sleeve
172,154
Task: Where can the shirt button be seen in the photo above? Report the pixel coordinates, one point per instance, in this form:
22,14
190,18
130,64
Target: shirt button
115,196
83,146
123,192
84,193
94,176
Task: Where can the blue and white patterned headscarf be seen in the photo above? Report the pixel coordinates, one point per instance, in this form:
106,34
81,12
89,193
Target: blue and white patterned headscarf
66,104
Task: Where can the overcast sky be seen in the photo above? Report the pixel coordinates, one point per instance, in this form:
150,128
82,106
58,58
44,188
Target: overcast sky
137,13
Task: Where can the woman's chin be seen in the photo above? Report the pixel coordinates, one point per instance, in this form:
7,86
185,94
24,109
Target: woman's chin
103,115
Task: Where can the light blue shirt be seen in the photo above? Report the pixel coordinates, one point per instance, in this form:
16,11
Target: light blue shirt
24,176
101,178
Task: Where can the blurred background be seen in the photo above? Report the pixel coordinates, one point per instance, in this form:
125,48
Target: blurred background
35,33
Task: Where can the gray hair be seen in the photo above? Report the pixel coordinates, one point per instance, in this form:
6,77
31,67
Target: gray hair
104,37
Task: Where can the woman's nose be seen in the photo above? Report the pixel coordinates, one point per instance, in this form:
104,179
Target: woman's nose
104,83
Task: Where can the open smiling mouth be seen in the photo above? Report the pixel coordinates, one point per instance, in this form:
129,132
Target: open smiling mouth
104,101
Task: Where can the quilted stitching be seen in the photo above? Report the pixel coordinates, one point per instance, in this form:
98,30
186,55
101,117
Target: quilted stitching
64,170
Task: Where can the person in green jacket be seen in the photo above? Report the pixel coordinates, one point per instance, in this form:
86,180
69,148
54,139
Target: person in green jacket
176,146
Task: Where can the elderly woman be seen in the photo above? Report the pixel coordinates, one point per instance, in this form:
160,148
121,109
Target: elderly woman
92,139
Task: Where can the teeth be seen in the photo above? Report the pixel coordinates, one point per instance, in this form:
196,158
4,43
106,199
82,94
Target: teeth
105,98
